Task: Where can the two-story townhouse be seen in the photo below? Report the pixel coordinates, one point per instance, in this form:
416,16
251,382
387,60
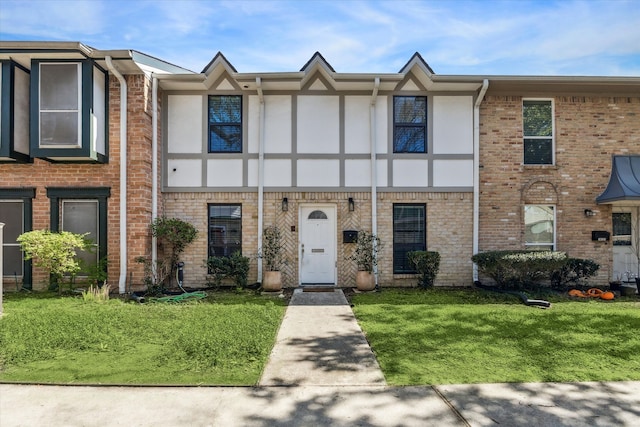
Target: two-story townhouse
560,168
319,153
76,152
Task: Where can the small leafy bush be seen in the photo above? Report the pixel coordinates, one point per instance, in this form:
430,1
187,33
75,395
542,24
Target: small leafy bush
178,234
365,253
272,248
518,269
235,267
54,251
96,294
427,265
573,271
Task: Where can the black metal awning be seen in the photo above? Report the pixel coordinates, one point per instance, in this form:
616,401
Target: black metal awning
624,182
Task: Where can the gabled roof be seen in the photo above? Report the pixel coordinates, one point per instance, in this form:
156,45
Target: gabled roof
416,59
624,182
219,58
317,58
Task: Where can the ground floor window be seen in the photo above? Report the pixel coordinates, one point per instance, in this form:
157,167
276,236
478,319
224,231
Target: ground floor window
16,215
539,227
621,228
82,210
409,234
225,229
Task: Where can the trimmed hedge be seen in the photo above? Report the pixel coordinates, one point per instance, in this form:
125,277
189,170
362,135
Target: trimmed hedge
519,268
575,271
427,265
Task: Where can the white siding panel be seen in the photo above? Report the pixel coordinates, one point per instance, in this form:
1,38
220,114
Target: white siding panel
252,173
410,173
452,125
382,173
318,173
253,123
357,173
184,128
187,173
356,126
318,124
277,124
224,173
453,173
277,173
382,125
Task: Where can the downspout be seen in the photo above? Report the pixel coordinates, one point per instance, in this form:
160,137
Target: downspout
123,176
476,172
374,173
260,173
154,165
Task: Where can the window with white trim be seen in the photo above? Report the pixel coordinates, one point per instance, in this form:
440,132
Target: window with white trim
539,227
538,131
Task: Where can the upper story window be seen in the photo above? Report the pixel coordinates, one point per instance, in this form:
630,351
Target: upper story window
538,129
409,124
69,115
14,112
539,227
225,124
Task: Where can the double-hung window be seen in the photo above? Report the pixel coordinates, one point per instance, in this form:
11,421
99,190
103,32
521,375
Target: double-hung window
409,234
225,124
225,229
539,227
409,124
538,132
69,115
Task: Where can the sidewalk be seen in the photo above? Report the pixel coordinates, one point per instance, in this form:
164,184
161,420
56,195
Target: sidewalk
322,373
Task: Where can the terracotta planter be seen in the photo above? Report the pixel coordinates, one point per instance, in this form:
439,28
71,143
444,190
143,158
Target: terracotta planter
272,281
365,281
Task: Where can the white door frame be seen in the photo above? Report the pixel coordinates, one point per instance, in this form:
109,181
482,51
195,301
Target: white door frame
327,206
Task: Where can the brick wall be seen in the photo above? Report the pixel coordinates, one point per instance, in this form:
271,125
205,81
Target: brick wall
42,174
449,228
588,131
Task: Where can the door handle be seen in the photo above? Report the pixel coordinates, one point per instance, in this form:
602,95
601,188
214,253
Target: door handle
302,252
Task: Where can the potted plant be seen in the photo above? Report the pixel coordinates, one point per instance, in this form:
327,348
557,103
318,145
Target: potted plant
365,255
272,255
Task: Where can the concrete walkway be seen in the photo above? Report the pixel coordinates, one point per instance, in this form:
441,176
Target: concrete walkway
322,373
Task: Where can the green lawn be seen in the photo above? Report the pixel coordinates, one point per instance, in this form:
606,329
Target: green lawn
225,339
470,336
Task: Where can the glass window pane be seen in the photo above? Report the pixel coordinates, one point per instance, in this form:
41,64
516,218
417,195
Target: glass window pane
538,151
11,215
58,86
59,128
317,215
11,261
225,109
82,217
409,225
538,222
621,228
225,138
225,229
409,139
537,120
410,109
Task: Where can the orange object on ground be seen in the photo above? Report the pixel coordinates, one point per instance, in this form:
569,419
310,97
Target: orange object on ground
592,293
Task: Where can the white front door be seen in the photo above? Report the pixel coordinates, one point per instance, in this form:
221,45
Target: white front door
626,225
317,246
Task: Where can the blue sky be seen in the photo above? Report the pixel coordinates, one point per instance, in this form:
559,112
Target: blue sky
517,37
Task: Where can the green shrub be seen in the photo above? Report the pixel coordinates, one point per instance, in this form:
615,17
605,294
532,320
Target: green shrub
519,268
427,265
178,234
54,252
235,267
575,271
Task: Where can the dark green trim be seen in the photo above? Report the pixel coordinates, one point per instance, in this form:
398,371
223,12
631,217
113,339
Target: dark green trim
84,152
26,194
55,194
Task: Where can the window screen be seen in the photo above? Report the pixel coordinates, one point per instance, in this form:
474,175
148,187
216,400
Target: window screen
12,215
60,104
409,234
410,124
81,216
225,124
225,230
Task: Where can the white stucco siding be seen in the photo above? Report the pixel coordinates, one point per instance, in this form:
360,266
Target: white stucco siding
277,124
410,173
382,124
224,173
277,173
357,127
184,127
357,173
452,125
318,173
184,173
318,125
453,173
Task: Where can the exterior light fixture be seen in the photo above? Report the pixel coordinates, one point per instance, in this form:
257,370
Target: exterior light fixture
589,212
352,205
285,204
